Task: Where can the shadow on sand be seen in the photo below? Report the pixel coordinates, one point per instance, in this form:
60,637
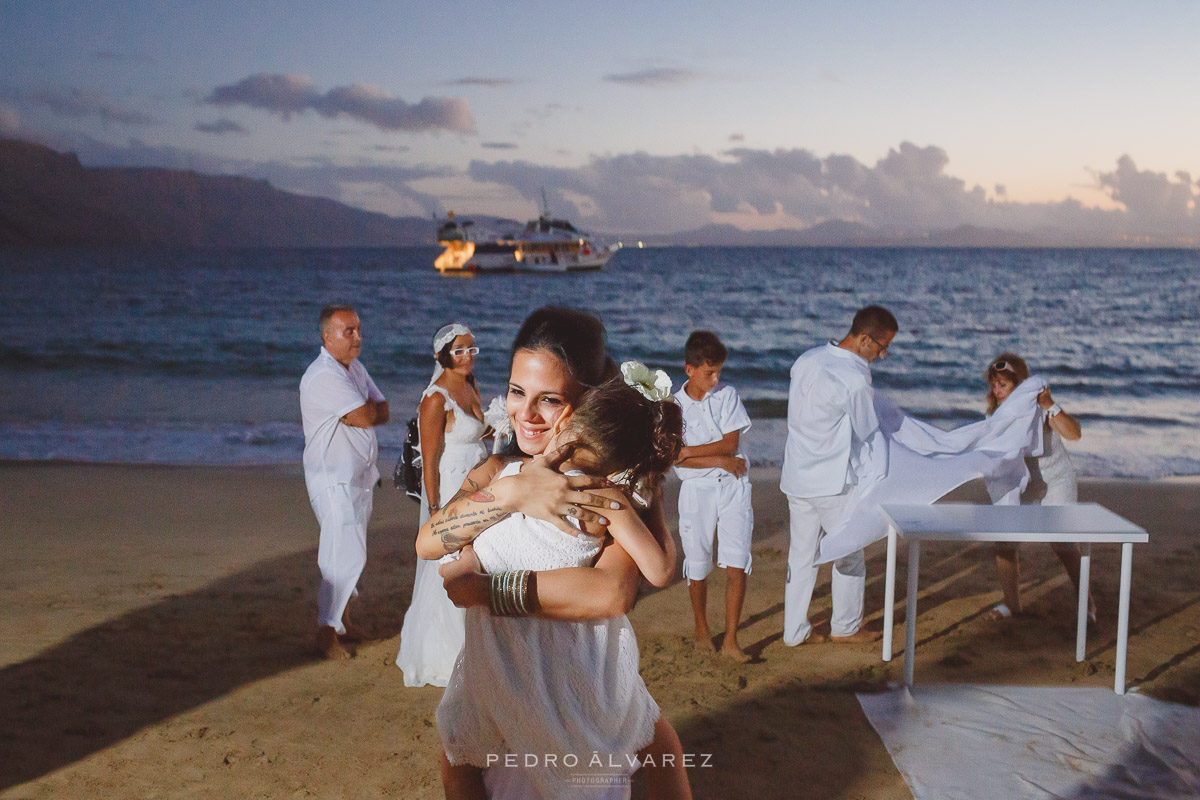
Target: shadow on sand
109,681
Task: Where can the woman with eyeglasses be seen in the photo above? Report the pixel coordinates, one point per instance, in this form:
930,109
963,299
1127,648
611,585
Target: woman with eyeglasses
450,420
1051,478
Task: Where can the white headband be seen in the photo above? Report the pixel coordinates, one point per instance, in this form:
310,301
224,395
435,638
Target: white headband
445,335
449,333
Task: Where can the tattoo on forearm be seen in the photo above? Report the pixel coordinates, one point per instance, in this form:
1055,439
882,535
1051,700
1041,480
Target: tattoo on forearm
458,528
482,496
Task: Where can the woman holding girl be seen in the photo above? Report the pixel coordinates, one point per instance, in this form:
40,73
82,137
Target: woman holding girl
1051,478
450,420
551,665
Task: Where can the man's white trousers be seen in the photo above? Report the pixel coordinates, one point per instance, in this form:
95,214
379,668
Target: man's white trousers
343,511
808,516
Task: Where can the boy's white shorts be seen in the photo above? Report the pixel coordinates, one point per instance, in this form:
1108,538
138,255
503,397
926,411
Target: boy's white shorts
720,506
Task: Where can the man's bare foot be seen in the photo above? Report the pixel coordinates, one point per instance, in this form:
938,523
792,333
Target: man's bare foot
328,645
858,637
813,638
704,642
354,633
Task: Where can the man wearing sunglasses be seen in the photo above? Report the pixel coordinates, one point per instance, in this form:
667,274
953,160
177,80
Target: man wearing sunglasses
833,444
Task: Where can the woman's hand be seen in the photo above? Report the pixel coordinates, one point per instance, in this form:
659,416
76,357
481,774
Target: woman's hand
540,491
1044,400
465,581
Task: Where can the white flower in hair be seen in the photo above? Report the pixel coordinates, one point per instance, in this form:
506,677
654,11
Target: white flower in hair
654,384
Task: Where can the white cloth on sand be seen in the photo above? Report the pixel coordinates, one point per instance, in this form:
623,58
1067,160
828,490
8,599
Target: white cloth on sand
537,688
434,627
925,463
1007,742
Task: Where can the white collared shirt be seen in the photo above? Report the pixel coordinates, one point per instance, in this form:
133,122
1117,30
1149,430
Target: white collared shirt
833,436
707,420
335,452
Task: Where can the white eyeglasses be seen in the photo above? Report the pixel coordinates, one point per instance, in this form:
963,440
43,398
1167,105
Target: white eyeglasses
463,351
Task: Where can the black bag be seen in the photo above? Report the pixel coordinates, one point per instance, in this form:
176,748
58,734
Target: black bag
407,475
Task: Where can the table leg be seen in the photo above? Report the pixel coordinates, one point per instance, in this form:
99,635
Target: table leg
1085,571
910,613
889,594
1123,615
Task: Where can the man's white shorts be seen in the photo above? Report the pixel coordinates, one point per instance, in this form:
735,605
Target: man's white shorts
718,506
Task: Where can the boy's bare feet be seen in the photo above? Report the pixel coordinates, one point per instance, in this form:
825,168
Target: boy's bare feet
329,646
704,642
735,654
858,637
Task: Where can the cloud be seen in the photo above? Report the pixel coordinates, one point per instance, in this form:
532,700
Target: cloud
737,137
390,148
655,77
491,83
288,95
87,103
1152,199
500,145
221,126
909,191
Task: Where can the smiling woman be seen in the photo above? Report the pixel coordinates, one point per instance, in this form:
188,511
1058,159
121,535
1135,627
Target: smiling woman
559,355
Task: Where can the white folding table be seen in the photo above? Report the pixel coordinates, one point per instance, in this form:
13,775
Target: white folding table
1086,523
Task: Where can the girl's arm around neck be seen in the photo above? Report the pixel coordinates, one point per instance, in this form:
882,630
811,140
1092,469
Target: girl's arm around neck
654,558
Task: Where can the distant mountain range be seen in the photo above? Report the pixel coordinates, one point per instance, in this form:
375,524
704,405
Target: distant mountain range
49,198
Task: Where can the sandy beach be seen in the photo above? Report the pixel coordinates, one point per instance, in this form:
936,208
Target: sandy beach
155,642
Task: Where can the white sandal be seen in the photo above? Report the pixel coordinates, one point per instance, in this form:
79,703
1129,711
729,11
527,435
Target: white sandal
1000,611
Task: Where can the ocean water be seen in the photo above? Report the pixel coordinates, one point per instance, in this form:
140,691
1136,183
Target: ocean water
194,356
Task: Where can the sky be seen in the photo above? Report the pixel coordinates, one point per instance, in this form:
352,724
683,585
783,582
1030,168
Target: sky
640,117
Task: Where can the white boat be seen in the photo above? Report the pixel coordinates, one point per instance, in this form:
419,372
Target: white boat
543,245
471,250
555,245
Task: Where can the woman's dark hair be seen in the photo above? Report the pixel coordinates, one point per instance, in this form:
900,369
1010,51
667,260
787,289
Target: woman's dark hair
447,361
1006,365
626,433
575,337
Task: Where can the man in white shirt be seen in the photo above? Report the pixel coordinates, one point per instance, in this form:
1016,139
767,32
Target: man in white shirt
340,406
833,445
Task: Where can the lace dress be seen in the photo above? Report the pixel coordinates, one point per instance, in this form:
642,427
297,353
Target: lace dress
433,626
536,688
1051,475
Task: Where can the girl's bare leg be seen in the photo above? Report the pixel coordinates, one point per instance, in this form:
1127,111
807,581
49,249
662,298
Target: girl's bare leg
462,782
666,779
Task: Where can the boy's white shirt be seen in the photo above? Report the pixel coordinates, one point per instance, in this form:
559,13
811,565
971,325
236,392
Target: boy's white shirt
707,420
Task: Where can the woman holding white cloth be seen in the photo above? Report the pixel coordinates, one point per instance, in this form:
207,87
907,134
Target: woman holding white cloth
1051,478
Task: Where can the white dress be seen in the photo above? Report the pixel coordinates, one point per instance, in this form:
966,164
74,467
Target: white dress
433,626
533,687
1051,475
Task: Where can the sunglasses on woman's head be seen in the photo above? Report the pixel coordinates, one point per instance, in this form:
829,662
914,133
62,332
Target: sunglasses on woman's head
1002,366
462,351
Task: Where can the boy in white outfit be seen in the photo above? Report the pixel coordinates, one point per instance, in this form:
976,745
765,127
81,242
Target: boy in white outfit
714,497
